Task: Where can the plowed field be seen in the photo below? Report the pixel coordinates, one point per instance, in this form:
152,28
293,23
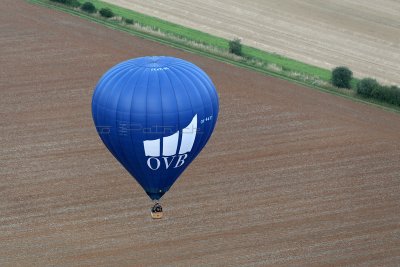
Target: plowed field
290,176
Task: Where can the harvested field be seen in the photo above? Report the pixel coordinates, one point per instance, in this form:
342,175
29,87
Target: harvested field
361,34
290,176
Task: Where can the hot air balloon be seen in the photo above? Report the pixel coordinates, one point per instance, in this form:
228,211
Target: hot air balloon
155,114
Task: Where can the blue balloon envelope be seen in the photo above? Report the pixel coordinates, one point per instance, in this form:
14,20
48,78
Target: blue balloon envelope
155,115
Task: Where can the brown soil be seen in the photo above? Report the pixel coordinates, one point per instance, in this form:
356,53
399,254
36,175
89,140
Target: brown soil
290,176
361,34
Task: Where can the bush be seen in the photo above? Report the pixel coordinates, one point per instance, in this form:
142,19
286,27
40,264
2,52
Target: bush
341,77
367,87
235,47
389,94
395,94
88,7
106,12
73,3
129,21
371,88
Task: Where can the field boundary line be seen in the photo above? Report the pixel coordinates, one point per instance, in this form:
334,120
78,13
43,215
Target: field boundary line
116,25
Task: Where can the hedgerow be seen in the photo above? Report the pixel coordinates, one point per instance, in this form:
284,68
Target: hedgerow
369,87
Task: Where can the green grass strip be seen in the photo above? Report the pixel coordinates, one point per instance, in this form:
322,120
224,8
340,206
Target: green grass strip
213,41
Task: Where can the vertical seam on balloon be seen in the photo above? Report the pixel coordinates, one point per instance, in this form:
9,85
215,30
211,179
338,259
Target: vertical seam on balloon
203,75
99,95
116,115
200,144
184,86
184,71
162,126
194,154
179,117
114,71
191,106
208,84
210,129
133,145
150,181
111,147
114,146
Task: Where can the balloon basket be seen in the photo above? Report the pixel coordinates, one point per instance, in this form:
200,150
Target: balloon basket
156,211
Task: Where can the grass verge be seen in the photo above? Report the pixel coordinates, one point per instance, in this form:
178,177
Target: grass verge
198,42
214,41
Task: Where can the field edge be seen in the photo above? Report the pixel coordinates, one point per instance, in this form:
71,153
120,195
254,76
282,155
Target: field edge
115,25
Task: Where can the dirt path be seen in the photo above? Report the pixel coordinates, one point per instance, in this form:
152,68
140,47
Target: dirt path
291,175
361,34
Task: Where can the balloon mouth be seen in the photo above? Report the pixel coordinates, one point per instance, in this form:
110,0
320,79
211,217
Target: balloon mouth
155,196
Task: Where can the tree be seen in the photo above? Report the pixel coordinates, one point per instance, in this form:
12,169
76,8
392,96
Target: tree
235,47
106,12
341,77
368,87
129,21
88,7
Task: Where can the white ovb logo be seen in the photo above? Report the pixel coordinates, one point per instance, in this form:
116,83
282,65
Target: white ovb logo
170,154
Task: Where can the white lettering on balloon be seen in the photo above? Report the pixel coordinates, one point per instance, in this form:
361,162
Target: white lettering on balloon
155,163
181,160
165,150
151,166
